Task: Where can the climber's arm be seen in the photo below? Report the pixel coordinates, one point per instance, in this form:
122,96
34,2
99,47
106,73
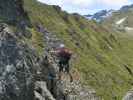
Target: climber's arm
54,52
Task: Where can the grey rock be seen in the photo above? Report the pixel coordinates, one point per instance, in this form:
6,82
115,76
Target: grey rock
42,92
16,67
128,96
25,76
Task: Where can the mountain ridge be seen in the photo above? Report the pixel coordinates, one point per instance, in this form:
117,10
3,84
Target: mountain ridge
100,16
103,14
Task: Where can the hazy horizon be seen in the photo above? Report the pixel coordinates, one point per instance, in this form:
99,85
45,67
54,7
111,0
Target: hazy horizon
84,7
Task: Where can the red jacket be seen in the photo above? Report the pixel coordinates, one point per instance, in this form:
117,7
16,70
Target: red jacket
64,52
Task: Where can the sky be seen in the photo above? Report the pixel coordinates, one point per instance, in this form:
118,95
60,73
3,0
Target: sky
85,7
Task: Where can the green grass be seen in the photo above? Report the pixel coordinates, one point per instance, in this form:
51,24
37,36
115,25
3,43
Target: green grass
37,40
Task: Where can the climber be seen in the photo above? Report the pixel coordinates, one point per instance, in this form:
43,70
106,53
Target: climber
64,55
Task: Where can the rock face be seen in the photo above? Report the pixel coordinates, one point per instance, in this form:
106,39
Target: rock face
25,76
11,9
128,96
75,91
17,62
41,91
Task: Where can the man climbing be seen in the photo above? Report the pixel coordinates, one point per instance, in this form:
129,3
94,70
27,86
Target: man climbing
64,56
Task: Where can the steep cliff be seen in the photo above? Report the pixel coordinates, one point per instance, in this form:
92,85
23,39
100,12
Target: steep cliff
16,59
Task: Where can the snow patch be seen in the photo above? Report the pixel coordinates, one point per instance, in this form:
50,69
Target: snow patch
121,21
129,28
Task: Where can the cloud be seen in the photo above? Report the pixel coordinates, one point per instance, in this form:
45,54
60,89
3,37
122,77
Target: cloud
87,5
79,3
75,3
52,2
114,3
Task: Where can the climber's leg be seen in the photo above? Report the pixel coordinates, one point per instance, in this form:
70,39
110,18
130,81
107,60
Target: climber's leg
52,86
68,72
67,69
60,66
71,78
60,69
67,66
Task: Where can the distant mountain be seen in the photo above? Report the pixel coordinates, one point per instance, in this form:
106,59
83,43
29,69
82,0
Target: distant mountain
126,8
121,19
101,15
89,16
108,14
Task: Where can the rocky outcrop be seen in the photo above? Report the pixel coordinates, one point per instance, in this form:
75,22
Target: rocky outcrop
128,96
23,74
75,91
69,86
17,63
41,91
26,76
11,9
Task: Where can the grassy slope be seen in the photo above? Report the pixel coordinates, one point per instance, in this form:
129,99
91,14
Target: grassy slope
101,54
